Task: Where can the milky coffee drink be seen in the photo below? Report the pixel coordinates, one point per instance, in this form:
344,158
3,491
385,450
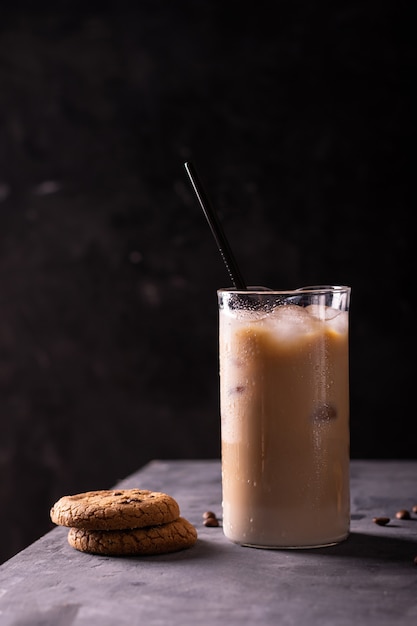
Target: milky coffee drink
284,396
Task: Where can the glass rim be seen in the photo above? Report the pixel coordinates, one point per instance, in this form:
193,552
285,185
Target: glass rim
316,289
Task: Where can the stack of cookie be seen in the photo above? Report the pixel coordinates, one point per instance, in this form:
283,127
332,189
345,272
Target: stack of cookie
124,522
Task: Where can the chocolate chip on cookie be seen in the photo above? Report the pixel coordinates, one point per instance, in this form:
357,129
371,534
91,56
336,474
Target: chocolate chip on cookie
171,537
117,509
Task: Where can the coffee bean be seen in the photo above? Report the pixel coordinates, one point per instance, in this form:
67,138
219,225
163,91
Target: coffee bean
381,521
210,519
415,560
208,514
403,514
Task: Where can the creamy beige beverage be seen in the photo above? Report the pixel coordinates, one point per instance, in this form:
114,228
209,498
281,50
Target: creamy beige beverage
284,391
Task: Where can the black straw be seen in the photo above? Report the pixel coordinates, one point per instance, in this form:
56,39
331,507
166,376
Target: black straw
216,229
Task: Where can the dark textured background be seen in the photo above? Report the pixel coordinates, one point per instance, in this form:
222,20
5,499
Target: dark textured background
301,123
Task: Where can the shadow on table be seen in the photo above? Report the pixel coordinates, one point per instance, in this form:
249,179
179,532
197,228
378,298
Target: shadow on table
366,546
358,547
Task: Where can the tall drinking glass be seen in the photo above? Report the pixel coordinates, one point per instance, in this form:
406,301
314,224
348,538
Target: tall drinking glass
284,403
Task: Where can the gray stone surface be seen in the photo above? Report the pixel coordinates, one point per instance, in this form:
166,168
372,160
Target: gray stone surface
370,579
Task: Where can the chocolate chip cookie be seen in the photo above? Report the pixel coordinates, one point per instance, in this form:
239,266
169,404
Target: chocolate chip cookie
164,538
118,509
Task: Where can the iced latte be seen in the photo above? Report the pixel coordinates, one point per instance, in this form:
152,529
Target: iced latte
284,395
